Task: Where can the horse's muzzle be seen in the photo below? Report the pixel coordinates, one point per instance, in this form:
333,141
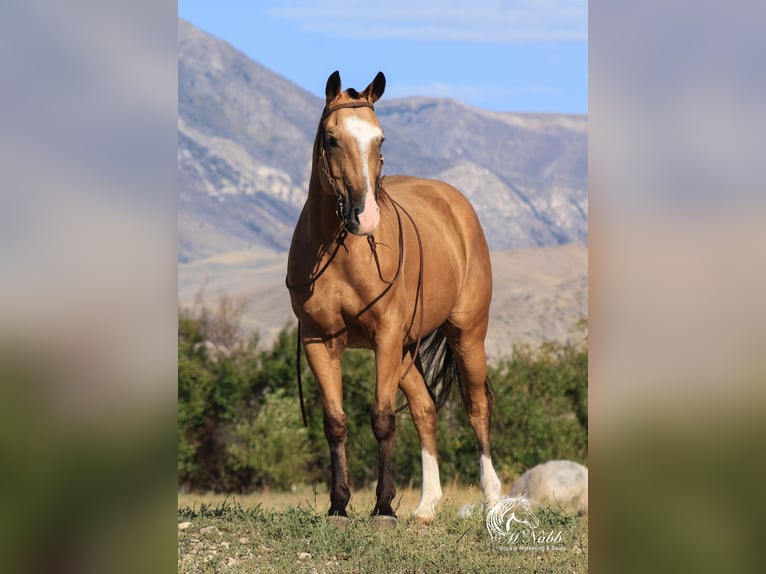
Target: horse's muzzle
362,219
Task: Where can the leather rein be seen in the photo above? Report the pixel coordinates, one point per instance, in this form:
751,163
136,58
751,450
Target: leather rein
339,241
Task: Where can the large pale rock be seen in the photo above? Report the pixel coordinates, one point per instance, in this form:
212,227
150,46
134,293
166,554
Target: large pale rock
559,484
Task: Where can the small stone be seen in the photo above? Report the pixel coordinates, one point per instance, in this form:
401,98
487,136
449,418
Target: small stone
303,555
244,540
383,522
209,530
183,525
225,544
231,562
340,522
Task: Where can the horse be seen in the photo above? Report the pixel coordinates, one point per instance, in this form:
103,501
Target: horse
399,266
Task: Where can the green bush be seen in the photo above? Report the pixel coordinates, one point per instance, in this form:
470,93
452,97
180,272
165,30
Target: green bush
541,402
272,447
215,377
239,423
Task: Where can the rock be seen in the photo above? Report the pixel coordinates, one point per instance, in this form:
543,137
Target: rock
383,522
209,530
557,484
183,525
244,540
303,555
340,522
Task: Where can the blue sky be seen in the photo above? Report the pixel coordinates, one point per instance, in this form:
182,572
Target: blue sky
505,55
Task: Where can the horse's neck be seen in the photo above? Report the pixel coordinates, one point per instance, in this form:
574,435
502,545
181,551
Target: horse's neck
320,206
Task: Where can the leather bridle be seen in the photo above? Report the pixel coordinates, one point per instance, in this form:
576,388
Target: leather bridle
340,208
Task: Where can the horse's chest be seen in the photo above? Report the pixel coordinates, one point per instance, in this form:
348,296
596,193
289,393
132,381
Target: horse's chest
334,306
322,308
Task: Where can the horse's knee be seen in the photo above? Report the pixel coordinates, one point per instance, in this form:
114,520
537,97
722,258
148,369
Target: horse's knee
335,427
383,423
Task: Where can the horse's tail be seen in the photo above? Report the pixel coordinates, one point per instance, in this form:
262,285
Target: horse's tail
436,362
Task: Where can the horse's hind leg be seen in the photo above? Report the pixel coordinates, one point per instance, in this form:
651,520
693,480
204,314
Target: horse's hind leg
326,367
468,348
423,412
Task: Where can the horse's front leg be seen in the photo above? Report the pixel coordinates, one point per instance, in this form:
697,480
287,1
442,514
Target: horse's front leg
388,357
324,361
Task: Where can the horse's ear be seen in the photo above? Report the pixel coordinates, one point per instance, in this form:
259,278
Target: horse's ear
376,88
332,89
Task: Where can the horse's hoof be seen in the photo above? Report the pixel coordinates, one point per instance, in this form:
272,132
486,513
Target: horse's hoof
422,520
382,522
340,522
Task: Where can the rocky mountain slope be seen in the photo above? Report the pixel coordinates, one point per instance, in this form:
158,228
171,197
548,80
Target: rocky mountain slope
539,293
244,151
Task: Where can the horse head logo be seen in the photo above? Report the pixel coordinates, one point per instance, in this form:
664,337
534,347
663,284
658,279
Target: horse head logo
508,515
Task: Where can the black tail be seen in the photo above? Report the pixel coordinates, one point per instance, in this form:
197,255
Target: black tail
436,362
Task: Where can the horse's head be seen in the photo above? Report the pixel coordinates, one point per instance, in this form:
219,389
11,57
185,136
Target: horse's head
349,141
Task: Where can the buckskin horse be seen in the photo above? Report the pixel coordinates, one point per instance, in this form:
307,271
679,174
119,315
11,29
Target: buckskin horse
400,267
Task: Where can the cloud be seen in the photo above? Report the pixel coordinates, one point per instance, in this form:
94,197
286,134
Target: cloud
461,20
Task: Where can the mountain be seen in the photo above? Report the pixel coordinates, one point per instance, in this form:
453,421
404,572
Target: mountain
244,151
539,293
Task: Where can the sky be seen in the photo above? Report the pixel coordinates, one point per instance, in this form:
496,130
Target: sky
502,55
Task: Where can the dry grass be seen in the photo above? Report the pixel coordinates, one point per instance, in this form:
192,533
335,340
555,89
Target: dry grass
288,533
318,499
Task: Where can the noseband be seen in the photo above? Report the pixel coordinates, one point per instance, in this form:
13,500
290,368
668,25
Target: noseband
340,207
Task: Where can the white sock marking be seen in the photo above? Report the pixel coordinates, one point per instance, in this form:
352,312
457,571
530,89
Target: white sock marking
431,490
490,483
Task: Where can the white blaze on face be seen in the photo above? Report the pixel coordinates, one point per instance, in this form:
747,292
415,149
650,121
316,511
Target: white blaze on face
365,134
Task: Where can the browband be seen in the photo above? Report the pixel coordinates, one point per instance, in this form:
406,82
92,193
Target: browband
360,104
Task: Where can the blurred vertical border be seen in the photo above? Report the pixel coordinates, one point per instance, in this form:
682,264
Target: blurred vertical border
677,176
88,291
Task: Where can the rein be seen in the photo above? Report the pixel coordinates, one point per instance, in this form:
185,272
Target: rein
339,240
419,298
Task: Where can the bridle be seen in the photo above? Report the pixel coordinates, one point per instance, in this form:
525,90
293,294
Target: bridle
340,198
341,237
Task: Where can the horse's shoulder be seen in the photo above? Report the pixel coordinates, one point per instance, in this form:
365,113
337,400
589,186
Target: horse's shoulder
420,193
404,184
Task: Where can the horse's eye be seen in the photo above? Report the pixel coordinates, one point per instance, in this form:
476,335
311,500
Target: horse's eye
332,141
